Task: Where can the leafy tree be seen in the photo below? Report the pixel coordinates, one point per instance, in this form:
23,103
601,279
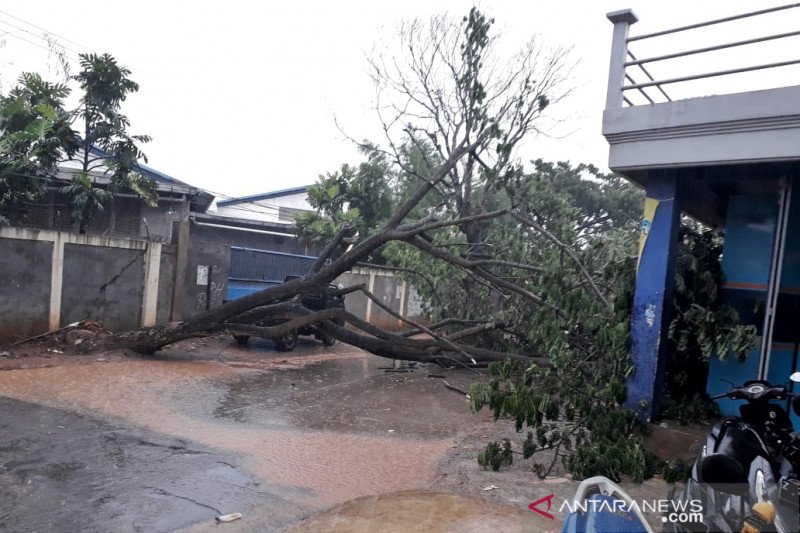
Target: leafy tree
34,133
358,197
86,200
105,85
470,108
573,408
37,135
702,327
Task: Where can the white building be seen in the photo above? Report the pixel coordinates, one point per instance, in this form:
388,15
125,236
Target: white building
278,206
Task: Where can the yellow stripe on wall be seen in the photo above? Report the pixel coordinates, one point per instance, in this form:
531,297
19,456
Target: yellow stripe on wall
650,205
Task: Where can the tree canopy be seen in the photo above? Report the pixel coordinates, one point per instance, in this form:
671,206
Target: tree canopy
37,134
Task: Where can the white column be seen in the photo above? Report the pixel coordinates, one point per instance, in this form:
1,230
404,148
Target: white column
370,288
56,281
403,298
619,55
151,271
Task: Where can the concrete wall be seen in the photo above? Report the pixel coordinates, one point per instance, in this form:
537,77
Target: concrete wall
392,291
103,284
50,278
156,222
721,129
198,296
24,287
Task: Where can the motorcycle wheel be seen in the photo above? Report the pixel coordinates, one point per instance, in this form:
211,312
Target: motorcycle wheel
287,342
327,339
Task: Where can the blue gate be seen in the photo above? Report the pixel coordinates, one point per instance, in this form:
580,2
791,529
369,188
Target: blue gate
255,270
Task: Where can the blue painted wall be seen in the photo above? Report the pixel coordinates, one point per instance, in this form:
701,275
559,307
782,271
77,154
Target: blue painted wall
747,254
749,233
749,237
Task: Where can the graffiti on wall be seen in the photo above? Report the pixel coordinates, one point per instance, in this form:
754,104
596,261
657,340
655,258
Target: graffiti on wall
210,278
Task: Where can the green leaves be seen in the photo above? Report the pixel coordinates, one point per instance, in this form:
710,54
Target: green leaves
702,326
496,455
36,133
85,200
144,187
360,197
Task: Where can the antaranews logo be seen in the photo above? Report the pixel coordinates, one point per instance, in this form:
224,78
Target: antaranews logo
680,512
548,500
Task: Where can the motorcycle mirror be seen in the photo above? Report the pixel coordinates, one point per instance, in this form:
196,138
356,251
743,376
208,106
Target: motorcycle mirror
723,473
795,377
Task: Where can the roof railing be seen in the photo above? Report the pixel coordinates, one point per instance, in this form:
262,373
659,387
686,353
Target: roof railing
620,53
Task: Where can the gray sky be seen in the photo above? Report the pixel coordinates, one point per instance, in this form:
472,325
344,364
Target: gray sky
240,96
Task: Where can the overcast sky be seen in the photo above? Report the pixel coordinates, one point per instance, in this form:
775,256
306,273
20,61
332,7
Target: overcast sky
240,97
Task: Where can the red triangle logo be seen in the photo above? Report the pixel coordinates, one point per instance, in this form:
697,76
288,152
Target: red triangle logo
535,506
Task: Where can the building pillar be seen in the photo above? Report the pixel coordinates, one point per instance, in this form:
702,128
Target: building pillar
370,288
151,276
56,281
622,21
181,264
652,300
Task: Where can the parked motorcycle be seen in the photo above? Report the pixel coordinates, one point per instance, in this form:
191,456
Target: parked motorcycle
601,506
745,476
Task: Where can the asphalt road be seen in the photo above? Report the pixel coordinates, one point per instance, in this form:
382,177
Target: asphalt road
123,444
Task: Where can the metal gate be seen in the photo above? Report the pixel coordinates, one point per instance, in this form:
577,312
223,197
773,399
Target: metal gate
254,270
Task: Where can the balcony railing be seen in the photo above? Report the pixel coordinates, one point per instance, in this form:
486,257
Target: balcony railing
625,65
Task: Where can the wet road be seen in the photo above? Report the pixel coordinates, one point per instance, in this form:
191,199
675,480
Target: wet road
63,471
156,445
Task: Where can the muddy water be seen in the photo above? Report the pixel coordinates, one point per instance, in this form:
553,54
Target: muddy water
316,433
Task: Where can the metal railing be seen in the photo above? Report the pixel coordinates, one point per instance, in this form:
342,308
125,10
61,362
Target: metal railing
622,58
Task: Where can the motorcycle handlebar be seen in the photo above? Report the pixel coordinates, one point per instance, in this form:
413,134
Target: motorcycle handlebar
771,393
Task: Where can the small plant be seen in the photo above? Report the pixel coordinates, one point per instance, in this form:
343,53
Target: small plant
496,455
694,410
676,471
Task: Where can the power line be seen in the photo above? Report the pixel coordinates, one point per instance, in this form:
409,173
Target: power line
58,43
44,30
76,52
36,35
12,34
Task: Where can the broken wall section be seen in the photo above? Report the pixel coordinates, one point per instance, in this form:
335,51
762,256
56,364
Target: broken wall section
49,279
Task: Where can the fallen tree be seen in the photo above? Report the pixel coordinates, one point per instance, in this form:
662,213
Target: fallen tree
463,111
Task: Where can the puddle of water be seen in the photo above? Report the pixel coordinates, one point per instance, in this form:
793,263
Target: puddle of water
317,467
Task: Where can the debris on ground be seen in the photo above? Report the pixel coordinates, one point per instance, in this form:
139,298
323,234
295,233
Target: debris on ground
229,517
454,388
76,338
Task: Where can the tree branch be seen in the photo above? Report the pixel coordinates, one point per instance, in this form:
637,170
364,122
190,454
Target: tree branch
330,247
567,250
